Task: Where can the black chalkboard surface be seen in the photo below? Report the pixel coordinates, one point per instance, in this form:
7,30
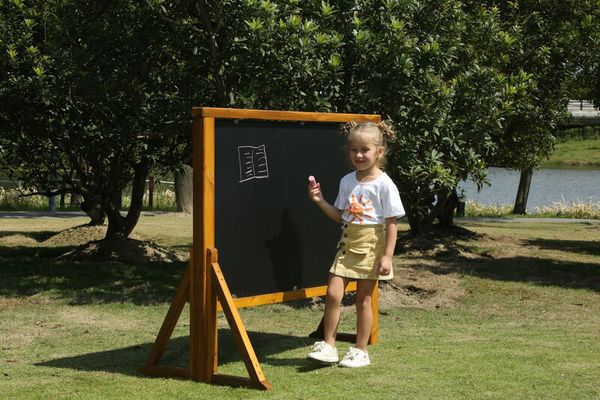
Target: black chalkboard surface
270,236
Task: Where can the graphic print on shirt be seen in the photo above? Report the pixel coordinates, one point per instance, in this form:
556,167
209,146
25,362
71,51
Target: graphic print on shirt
358,208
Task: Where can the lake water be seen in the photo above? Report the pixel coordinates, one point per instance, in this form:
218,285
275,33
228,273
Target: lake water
548,186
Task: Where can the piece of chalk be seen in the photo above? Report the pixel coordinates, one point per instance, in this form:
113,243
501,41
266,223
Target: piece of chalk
312,181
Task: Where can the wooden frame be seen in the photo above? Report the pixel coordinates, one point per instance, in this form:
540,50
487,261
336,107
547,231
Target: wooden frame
203,283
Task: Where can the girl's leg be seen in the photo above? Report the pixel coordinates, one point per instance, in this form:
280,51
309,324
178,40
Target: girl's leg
331,318
364,312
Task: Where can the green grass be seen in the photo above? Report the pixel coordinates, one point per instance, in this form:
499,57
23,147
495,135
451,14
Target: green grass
526,327
584,153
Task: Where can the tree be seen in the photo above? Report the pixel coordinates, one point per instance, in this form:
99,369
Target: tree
414,62
588,72
103,109
548,41
418,64
467,85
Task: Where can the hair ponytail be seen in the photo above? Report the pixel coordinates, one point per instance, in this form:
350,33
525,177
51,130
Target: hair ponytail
385,130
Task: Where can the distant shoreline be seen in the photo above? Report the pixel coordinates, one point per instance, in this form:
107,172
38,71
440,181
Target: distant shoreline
582,165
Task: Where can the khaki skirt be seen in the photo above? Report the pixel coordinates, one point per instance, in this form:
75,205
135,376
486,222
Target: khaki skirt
359,250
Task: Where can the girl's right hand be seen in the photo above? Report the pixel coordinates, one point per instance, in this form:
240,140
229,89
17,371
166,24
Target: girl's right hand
314,193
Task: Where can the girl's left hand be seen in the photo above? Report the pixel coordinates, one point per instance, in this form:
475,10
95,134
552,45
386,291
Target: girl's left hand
384,266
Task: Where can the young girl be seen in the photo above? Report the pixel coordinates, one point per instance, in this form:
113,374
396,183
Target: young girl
367,206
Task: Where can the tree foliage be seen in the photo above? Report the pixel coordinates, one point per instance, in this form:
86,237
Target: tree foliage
587,76
102,105
418,65
96,94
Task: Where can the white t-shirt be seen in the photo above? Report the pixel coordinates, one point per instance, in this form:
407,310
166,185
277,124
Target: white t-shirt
368,202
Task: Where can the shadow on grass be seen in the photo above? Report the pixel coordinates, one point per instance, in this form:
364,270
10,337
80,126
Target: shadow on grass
127,360
559,272
28,254
571,246
533,270
28,271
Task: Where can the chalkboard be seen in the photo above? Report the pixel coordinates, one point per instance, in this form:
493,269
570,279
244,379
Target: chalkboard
270,236
272,243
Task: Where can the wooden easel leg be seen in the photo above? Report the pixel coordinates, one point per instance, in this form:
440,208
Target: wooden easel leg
197,320
211,319
257,378
168,325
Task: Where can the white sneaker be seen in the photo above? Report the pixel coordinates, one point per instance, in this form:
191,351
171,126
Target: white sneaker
355,358
324,352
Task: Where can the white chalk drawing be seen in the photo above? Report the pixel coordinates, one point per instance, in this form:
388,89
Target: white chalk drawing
253,162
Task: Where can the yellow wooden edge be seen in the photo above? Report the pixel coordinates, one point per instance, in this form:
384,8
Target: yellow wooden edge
275,115
238,330
280,297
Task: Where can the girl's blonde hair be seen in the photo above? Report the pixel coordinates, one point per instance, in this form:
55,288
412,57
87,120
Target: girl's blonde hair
379,134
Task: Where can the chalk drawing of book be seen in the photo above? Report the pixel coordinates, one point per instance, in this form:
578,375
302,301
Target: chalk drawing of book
253,162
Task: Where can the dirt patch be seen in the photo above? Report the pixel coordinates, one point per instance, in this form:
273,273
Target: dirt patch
76,236
122,250
413,287
79,235
92,247
423,276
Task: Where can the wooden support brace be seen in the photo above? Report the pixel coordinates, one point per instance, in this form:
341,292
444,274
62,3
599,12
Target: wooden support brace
257,378
210,322
168,325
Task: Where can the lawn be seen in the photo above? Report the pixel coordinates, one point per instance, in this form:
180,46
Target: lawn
583,153
522,321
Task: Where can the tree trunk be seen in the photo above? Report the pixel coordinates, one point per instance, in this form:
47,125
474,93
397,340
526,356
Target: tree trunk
419,224
411,216
93,209
446,216
119,226
523,192
442,210
75,200
184,189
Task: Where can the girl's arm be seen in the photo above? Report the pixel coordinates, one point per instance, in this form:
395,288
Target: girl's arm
391,233
314,193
